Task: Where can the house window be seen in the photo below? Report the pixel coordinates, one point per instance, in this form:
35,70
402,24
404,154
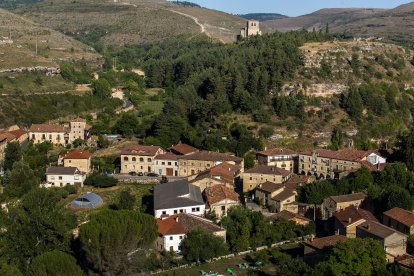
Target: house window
60,178
251,178
169,163
163,163
175,211
171,238
193,209
181,210
134,159
164,212
223,208
208,165
149,160
181,237
126,158
70,161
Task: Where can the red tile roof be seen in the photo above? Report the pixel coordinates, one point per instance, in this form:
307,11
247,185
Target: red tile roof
141,150
77,154
349,197
285,214
269,187
402,216
183,149
344,154
17,133
167,156
185,223
276,151
211,156
377,229
223,172
270,170
353,214
48,128
296,180
326,242
218,193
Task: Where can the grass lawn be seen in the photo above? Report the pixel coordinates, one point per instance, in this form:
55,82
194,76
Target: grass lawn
142,193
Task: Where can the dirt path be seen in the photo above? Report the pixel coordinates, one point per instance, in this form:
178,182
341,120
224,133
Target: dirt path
202,27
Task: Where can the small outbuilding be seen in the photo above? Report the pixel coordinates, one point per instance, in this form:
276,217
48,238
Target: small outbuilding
88,200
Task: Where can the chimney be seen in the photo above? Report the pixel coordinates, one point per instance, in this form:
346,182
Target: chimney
349,220
369,226
337,232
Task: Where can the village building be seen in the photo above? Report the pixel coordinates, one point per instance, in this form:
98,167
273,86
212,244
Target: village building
333,204
182,149
9,135
327,164
318,249
79,159
400,220
166,164
394,242
139,158
60,134
285,200
265,191
289,216
261,174
223,174
278,157
178,197
173,229
197,162
219,199
348,219
63,176
252,28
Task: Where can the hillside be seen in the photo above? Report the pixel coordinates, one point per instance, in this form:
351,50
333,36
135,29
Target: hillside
262,16
132,21
395,24
24,71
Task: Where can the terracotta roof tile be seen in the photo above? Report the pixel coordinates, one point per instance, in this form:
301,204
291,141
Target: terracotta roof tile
48,128
326,243
296,180
353,214
185,223
166,156
211,156
377,229
141,150
402,216
344,154
270,170
183,149
276,151
285,214
349,197
269,187
77,154
218,193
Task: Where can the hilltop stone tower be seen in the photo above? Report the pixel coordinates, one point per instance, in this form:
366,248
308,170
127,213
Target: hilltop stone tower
252,28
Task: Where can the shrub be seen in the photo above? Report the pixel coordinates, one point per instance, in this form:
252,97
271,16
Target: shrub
100,181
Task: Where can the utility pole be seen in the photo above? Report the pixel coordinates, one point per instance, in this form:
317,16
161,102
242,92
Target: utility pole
36,42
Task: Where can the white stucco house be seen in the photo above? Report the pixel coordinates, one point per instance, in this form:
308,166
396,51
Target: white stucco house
166,164
178,197
63,176
173,229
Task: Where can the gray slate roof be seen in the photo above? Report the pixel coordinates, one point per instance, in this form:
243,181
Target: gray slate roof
62,170
177,194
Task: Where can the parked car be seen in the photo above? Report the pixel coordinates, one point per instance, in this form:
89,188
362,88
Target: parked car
133,173
140,174
151,174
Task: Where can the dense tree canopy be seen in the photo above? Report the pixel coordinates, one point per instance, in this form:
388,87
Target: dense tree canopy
55,263
117,241
37,225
